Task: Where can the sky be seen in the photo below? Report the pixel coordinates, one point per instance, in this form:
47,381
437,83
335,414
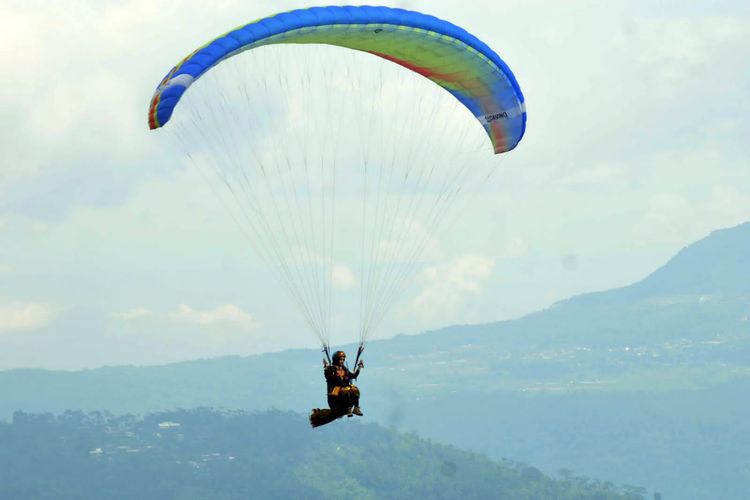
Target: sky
113,251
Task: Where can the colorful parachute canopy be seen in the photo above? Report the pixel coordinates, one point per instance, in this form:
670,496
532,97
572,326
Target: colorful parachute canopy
446,54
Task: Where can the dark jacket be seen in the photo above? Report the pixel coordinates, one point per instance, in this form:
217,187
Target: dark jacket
339,376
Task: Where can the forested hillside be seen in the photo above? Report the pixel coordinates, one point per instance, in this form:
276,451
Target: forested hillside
206,454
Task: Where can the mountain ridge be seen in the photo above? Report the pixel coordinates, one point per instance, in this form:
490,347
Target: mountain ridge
694,269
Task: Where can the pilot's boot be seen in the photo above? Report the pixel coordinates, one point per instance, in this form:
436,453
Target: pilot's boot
357,411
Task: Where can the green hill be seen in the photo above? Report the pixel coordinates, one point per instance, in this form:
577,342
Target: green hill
204,454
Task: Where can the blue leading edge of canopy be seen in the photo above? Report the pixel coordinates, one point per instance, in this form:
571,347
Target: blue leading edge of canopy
206,57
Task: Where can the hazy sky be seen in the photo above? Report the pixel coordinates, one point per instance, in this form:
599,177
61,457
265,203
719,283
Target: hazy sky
112,251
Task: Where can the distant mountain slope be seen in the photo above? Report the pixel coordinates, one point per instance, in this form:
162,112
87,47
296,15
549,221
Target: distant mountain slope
701,294
691,312
209,455
716,264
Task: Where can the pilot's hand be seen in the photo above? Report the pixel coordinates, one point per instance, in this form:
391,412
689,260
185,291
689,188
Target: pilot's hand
361,364
325,364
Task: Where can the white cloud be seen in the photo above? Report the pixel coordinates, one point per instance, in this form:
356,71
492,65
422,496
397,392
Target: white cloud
516,247
5,269
598,174
677,48
570,261
728,206
406,235
672,218
666,219
446,287
226,314
62,99
343,278
19,316
136,313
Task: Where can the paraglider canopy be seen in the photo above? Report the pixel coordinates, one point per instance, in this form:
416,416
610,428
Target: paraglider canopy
446,54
